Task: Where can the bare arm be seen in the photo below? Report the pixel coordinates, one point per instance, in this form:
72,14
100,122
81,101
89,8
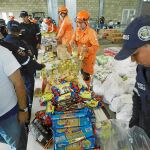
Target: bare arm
21,94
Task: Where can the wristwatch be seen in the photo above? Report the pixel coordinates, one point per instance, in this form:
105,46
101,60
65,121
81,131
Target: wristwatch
24,110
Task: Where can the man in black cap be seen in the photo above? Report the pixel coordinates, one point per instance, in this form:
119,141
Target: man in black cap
137,45
30,32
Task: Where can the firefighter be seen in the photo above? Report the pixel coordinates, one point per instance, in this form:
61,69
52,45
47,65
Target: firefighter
86,40
65,30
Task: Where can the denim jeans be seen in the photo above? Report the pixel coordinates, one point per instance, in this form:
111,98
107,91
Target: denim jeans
13,134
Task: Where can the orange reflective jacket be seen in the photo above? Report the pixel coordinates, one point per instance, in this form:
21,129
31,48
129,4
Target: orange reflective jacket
89,39
52,27
65,31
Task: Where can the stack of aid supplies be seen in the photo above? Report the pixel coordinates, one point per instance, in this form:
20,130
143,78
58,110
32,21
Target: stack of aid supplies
70,108
73,129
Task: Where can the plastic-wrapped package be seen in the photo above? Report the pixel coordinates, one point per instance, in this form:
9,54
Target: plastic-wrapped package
71,122
113,86
125,68
67,136
97,87
42,134
120,101
101,60
61,89
111,51
125,113
78,114
84,144
115,135
62,52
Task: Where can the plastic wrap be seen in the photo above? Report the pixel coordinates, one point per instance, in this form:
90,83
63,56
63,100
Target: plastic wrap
120,101
84,144
42,134
62,52
71,135
113,86
115,135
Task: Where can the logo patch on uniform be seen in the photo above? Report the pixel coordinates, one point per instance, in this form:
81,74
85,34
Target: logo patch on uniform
126,37
144,33
141,86
22,30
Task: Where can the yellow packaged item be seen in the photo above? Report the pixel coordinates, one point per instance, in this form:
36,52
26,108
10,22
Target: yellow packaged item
47,97
50,108
86,94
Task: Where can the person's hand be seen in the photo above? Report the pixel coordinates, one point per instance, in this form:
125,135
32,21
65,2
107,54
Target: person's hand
84,48
30,52
59,41
21,53
38,46
72,44
23,117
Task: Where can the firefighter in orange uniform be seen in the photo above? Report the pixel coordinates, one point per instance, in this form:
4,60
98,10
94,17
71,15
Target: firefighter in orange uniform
86,40
65,30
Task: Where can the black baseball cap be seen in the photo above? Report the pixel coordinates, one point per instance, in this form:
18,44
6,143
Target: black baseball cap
23,14
13,26
136,35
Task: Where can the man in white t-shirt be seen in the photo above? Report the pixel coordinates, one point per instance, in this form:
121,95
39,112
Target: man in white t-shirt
13,104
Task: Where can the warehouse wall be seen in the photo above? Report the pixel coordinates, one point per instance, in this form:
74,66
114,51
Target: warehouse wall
145,8
113,8
91,5
16,6
60,2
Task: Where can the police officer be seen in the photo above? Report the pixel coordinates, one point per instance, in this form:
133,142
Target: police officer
137,45
14,49
30,32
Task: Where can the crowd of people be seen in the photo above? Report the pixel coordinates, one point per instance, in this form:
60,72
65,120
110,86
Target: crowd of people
19,44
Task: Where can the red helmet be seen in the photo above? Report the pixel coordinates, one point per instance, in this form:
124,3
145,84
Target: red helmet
83,15
62,9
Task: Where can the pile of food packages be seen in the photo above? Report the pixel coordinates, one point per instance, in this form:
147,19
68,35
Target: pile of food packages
69,117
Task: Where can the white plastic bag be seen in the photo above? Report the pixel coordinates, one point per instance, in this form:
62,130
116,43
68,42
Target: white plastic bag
115,135
113,86
120,101
125,112
97,87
